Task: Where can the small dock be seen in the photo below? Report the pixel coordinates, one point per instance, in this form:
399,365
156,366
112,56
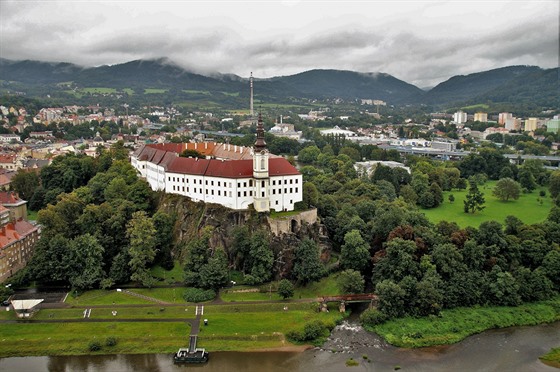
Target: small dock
192,354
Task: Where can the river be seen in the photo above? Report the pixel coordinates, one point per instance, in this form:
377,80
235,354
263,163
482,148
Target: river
511,349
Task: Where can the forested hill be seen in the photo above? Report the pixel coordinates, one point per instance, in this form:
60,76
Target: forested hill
66,82
349,84
493,85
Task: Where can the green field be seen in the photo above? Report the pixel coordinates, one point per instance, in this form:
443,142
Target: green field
104,297
175,275
325,287
236,94
527,208
231,327
154,91
454,325
257,326
203,92
99,90
128,91
479,106
28,339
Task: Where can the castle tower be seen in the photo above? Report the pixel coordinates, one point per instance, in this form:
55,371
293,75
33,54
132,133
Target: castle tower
260,171
251,100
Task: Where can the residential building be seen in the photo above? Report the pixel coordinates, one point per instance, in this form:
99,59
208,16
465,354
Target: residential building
513,124
553,125
17,242
530,124
481,117
16,206
233,176
460,117
8,138
503,117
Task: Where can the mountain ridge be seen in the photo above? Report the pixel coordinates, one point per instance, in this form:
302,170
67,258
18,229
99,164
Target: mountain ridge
162,73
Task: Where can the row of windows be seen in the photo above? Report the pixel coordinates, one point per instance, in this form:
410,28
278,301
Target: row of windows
239,184
208,192
285,191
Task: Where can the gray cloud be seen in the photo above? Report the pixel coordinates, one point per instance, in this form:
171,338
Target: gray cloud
423,45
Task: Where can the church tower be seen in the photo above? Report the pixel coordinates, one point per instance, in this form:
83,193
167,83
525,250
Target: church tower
260,171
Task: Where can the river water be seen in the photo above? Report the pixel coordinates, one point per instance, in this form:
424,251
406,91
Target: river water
511,349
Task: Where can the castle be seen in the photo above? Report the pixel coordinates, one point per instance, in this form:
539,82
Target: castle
233,176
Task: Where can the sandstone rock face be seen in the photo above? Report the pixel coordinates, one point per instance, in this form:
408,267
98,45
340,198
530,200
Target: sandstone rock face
285,232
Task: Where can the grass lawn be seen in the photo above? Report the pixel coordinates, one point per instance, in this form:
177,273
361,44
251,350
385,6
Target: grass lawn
28,339
526,208
173,295
456,324
479,106
257,326
203,92
147,312
236,94
104,297
325,287
128,91
154,91
175,275
31,215
99,90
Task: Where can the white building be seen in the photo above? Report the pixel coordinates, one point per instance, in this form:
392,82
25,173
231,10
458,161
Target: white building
233,176
460,117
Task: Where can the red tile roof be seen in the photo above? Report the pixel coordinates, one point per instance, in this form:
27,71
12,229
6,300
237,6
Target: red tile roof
9,197
12,232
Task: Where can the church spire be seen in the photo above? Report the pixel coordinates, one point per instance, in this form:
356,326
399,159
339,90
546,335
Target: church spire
260,144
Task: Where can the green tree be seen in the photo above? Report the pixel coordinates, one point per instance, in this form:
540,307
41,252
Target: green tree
451,198
214,274
198,254
25,182
309,154
350,281
307,262
141,232
285,289
354,254
163,224
506,189
527,180
86,259
429,293
474,200
399,261
262,258
391,298
553,184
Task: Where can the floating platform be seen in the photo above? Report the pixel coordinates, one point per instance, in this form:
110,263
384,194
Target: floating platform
184,355
192,354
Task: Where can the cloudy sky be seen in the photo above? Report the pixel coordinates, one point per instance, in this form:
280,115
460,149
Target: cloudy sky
421,42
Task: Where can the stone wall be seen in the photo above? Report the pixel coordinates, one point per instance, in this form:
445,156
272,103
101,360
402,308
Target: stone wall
292,223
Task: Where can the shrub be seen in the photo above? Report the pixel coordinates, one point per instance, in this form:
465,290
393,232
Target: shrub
199,295
94,346
311,331
352,363
111,341
372,317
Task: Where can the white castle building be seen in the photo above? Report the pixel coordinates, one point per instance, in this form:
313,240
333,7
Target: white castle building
233,176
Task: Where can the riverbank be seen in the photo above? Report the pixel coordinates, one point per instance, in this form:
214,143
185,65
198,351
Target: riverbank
454,325
552,358
146,329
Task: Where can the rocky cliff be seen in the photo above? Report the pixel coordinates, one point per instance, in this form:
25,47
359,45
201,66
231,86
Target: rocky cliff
285,232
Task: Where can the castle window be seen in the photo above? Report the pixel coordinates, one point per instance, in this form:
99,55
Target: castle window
291,181
239,194
291,190
244,193
250,183
262,184
219,183
244,184
296,190
262,194
262,164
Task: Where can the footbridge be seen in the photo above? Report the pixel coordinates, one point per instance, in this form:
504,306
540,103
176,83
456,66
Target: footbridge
348,298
